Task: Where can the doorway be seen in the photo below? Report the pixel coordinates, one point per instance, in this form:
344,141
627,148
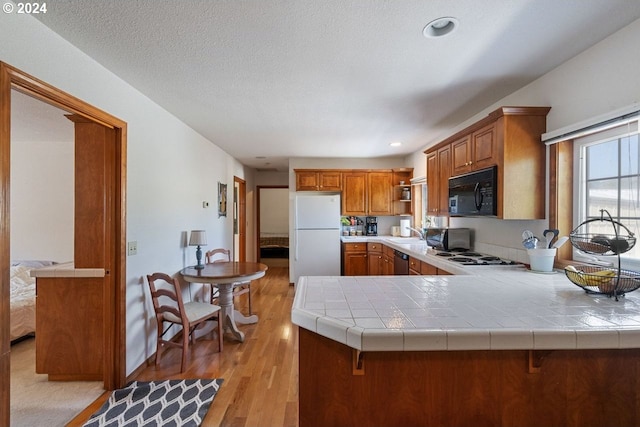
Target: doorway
273,225
114,290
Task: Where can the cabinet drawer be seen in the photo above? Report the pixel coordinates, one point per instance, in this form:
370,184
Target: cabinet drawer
374,247
354,247
414,264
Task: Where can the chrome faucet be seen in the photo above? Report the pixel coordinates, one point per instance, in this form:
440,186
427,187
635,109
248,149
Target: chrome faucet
420,233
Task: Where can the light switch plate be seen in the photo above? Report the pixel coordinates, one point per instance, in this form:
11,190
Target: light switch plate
132,248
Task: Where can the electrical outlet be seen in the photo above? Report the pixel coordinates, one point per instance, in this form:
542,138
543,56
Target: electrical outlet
132,248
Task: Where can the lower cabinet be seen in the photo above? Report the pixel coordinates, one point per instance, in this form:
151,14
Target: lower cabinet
354,259
69,321
375,259
414,266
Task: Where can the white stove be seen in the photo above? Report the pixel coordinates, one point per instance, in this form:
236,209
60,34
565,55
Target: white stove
466,257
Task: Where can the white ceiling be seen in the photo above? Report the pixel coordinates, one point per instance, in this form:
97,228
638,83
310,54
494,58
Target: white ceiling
330,78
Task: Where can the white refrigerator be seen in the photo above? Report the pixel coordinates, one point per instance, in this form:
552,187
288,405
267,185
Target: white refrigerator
316,235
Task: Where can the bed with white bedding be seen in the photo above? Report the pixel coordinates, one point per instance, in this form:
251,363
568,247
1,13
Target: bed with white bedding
23,297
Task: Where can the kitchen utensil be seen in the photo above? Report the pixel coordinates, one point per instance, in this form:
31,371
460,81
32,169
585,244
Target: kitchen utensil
561,241
529,241
550,236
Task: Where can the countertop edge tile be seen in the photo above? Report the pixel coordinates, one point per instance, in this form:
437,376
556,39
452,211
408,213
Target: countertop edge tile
511,340
382,340
629,338
468,340
554,340
417,340
334,329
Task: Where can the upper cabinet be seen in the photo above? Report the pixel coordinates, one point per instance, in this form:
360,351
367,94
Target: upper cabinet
318,180
354,193
379,193
402,194
375,192
477,150
438,173
509,138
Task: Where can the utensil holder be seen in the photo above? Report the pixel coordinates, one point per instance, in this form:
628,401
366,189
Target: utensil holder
542,259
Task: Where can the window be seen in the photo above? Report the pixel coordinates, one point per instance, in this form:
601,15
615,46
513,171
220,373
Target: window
608,167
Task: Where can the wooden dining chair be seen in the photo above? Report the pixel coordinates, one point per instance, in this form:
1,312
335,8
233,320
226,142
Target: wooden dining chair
166,294
241,288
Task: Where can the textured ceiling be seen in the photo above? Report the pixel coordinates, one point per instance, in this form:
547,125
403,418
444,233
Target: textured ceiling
330,78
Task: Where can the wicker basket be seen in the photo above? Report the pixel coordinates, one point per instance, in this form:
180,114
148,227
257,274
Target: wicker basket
620,282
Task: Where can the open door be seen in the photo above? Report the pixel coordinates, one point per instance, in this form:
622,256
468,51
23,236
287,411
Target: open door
114,190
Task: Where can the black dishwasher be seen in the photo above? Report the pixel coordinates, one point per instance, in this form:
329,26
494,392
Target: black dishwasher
400,263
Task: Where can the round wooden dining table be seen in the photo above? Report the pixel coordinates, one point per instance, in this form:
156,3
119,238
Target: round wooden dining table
224,275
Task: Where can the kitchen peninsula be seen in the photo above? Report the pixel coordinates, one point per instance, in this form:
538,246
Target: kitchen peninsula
495,347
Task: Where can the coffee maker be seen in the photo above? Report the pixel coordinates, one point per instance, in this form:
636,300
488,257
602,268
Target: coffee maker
372,226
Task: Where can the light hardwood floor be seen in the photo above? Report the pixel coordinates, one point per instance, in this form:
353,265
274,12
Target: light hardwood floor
260,375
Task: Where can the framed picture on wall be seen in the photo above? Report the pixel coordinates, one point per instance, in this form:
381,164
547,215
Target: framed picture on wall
222,199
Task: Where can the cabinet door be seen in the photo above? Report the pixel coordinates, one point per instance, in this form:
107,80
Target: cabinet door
376,264
330,181
387,265
355,264
428,269
433,196
484,147
444,173
461,156
379,197
354,193
307,181
414,266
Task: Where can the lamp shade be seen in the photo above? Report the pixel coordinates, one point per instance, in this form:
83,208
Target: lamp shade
198,238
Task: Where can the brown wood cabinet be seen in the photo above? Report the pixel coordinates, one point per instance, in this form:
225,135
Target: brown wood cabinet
375,259
379,191
364,192
475,151
414,266
438,174
354,259
509,137
70,325
354,193
387,259
318,180
402,206
524,388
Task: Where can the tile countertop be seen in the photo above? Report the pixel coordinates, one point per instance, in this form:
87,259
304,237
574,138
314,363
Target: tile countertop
418,249
486,309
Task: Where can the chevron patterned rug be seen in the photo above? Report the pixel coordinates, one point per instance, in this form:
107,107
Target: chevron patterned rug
157,403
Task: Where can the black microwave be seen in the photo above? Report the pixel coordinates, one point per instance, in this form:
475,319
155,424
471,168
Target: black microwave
474,194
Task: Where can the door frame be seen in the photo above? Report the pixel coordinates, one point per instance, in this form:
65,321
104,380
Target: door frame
258,192
240,215
115,360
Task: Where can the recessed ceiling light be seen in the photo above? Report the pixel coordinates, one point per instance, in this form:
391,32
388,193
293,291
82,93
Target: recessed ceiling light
440,27
396,144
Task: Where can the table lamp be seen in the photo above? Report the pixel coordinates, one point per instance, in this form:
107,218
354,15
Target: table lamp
198,238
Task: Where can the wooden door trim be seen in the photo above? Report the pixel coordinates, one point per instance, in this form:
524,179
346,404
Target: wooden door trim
241,206
12,78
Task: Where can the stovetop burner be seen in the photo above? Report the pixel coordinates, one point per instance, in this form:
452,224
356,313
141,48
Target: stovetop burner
462,259
466,257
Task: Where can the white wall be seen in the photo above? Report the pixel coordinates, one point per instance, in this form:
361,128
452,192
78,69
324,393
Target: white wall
599,80
42,199
274,210
171,169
